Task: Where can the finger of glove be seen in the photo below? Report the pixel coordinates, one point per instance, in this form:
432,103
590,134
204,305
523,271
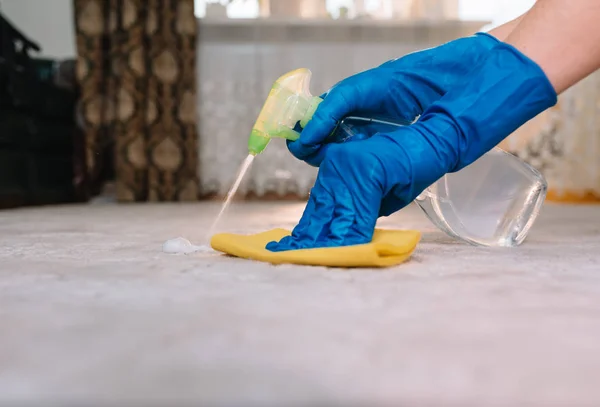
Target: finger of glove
313,224
287,242
344,229
315,159
320,151
339,103
356,204
305,153
317,225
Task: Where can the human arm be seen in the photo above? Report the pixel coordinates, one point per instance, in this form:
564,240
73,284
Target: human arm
562,37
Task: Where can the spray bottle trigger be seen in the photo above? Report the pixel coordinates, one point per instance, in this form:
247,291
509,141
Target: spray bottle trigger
315,101
291,134
286,133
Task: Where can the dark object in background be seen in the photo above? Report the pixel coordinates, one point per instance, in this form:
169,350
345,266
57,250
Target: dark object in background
38,131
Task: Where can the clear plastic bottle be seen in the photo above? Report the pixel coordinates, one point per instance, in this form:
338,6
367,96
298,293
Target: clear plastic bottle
492,202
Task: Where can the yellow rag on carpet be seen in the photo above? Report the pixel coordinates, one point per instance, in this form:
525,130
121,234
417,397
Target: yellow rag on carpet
388,248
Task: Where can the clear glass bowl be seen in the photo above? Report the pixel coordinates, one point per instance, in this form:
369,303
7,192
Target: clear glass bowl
492,202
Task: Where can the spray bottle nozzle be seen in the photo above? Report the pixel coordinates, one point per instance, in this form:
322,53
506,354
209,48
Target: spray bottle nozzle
289,103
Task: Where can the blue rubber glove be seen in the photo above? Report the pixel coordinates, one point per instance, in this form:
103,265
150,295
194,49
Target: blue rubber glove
400,89
501,93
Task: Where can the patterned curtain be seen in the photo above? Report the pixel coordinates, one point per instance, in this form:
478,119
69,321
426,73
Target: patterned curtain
137,70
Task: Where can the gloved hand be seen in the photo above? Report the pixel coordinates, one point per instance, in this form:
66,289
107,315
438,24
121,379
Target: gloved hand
500,94
400,89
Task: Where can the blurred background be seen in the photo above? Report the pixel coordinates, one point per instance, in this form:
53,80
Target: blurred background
147,100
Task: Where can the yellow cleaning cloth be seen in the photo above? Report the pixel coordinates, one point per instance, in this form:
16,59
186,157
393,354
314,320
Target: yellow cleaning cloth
388,248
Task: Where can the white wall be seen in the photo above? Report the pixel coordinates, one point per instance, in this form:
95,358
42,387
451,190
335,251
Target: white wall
47,22
496,11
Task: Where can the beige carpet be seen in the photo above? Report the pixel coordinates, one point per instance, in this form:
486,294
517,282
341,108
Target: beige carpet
92,311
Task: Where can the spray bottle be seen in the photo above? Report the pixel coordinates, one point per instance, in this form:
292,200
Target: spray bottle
289,103
492,202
